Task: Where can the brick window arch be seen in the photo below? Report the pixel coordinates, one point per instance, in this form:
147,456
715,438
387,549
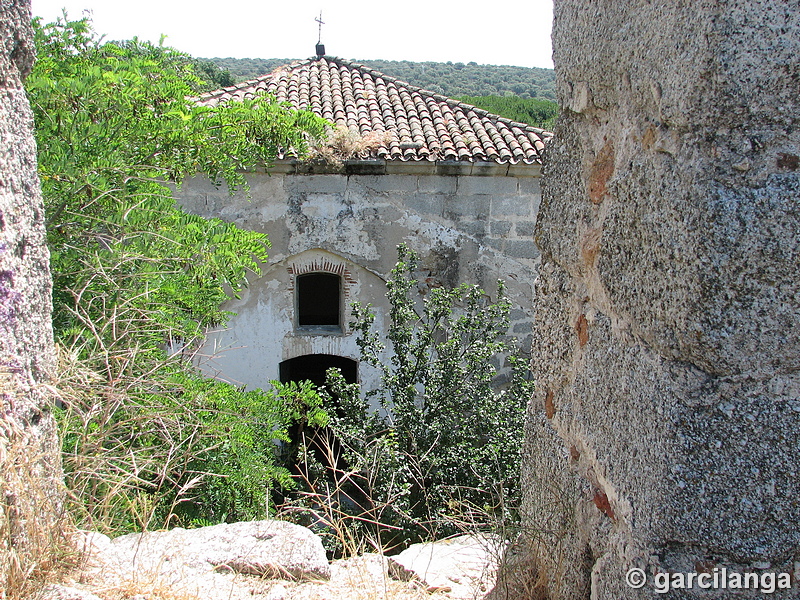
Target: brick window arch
329,285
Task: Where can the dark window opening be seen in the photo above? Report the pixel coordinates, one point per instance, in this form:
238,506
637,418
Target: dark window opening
318,301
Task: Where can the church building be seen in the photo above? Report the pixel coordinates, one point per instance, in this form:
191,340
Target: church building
456,184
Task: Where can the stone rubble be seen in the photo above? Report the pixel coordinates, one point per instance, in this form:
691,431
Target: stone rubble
227,561
464,567
272,560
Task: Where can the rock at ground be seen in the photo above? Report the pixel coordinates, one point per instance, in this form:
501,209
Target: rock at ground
464,567
363,577
272,549
111,571
65,592
228,561
277,592
357,570
91,543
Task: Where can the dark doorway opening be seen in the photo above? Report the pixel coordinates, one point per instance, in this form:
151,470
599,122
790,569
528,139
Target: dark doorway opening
314,368
347,491
319,301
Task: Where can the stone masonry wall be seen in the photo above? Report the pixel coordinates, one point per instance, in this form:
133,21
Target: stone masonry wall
355,215
29,453
664,431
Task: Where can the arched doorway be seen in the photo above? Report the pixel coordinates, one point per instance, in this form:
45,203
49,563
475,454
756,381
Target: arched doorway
342,488
314,367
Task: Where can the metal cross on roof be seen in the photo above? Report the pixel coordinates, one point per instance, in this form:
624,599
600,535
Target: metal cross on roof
321,23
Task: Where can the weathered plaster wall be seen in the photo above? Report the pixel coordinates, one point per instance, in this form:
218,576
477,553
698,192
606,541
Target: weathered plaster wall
29,457
263,333
664,432
474,229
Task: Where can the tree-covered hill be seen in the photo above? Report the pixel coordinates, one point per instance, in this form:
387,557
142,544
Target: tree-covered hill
450,79
243,69
533,111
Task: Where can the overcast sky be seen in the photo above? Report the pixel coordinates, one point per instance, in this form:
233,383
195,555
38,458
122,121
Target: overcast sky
416,30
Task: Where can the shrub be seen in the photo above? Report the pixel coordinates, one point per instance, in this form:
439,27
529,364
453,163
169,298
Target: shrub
446,443
181,451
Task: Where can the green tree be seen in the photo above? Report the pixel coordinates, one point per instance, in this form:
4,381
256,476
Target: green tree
115,125
135,276
447,441
214,76
452,80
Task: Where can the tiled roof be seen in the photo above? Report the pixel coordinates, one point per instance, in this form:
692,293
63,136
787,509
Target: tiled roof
411,124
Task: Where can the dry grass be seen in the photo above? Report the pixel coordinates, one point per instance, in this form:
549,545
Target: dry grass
342,144
33,544
336,503
112,483
44,557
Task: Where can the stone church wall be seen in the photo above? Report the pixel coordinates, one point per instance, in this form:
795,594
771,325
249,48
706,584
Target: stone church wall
29,452
473,229
664,431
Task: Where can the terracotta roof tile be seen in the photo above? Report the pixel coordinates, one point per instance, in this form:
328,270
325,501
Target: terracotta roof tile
427,126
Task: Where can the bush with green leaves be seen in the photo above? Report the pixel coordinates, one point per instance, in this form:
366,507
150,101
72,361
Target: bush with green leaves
446,443
134,276
181,451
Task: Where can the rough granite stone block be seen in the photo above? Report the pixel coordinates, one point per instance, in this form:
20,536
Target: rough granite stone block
30,458
521,249
500,227
522,328
426,203
662,433
315,183
531,186
473,228
437,184
516,314
472,206
524,228
388,183
511,205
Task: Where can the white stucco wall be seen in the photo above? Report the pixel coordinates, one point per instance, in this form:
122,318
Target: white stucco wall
264,333
474,229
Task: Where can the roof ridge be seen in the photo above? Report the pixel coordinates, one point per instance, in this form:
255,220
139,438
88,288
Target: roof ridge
248,83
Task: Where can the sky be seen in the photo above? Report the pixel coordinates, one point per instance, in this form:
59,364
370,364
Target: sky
415,30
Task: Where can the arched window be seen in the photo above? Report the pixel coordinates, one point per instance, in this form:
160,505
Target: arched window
319,299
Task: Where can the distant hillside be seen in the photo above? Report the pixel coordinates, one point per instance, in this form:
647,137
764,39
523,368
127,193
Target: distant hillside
538,112
243,69
448,79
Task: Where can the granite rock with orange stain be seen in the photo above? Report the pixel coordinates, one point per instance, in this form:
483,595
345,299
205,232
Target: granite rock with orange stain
601,171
